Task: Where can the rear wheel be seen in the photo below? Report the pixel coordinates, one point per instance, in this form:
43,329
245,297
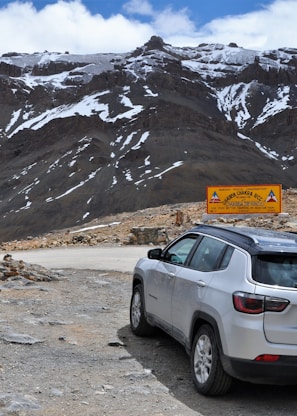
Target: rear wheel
207,370
138,322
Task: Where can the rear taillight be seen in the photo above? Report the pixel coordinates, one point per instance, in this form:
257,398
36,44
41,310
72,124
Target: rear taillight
255,304
248,303
275,304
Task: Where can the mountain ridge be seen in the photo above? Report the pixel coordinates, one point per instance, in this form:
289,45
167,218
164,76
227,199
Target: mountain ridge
92,135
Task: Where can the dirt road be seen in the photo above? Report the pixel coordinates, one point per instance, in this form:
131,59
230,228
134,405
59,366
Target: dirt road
67,349
115,258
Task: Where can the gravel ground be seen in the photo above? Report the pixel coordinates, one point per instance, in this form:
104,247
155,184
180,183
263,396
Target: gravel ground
67,349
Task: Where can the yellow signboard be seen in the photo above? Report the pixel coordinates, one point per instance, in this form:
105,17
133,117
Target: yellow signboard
247,199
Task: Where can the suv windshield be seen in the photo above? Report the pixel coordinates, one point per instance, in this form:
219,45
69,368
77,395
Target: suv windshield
276,269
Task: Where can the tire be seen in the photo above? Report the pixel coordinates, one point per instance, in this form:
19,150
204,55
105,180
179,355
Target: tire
138,322
208,374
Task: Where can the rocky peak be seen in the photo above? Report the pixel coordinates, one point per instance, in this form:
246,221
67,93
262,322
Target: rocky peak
155,43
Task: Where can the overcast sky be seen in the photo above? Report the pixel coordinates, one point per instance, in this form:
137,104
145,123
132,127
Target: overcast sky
96,26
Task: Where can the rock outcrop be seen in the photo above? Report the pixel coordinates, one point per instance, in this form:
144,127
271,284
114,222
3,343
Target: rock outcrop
23,272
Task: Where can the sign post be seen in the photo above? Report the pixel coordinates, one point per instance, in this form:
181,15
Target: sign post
247,199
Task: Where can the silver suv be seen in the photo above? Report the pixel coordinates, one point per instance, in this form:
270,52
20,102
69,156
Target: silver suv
229,296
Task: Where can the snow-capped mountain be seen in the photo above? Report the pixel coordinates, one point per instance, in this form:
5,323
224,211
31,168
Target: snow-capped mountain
87,135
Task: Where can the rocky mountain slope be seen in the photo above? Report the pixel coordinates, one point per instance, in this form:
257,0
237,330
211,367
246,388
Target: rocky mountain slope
155,226
87,136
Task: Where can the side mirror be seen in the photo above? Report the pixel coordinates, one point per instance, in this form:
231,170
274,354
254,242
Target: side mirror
155,253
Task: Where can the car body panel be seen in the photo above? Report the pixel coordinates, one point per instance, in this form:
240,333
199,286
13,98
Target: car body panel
219,304
159,290
187,297
281,328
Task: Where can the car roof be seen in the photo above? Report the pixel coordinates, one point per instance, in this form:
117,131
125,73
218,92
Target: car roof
254,240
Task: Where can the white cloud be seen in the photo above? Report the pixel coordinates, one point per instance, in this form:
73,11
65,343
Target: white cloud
141,7
168,23
69,26
164,22
272,27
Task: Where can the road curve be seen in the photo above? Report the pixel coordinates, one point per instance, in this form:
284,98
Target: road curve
122,259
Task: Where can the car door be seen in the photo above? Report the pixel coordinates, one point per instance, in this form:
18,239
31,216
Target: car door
162,279
192,284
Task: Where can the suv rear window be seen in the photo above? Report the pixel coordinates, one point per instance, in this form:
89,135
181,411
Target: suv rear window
276,269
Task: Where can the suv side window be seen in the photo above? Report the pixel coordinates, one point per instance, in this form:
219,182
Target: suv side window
227,256
209,255
179,252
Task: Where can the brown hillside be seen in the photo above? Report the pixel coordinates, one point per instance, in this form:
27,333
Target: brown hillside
173,219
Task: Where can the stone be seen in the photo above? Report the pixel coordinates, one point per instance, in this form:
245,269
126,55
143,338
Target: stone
179,218
13,269
148,235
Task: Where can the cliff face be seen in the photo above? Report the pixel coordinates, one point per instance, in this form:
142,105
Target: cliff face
85,136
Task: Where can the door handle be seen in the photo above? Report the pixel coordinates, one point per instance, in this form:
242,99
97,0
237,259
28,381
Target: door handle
201,283
170,274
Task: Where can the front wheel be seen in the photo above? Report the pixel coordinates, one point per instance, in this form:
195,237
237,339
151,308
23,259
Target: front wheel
138,322
206,367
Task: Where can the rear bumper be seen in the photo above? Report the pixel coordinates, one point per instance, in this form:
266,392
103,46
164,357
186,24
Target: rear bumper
282,372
